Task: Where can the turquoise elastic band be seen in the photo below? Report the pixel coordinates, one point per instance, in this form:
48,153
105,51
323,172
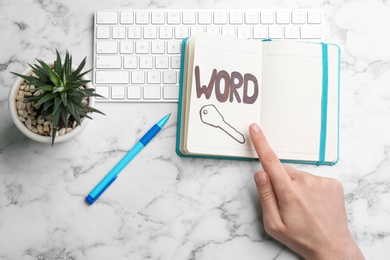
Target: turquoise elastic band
324,103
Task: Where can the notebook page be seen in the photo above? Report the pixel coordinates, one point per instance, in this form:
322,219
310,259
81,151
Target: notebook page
291,98
233,60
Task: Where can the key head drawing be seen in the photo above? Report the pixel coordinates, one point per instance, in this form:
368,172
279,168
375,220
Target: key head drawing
210,115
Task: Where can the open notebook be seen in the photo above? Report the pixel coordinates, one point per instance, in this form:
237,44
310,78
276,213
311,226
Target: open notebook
291,89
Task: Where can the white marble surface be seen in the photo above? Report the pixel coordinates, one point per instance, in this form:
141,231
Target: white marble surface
163,206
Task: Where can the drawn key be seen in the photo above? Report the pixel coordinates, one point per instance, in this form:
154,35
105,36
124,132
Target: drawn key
210,115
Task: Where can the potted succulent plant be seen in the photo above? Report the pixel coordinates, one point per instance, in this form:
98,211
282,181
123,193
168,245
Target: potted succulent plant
49,102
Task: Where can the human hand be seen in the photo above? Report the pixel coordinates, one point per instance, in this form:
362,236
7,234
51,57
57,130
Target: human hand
303,211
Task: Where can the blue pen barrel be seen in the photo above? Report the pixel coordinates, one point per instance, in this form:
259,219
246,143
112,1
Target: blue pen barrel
95,193
91,199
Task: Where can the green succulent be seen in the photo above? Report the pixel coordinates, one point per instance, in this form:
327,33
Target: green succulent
61,92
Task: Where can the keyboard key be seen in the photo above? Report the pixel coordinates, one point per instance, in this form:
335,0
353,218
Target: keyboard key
220,17
150,32
251,17
134,32
298,17
174,47
260,32
158,47
127,47
118,92
181,32
162,62
267,17
154,77
195,29
166,32
169,77
173,18
107,18
212,29
112,77
204,17
118,32
283,17
275,32
175,62
152,92
189,17
171,92
146,62
142,47
103,32
108,62
141,17
127,17
134,92
109,47
314,17
244,32
311,32
235,17
158,17
138,77
104,91
291,32
130,62
229,31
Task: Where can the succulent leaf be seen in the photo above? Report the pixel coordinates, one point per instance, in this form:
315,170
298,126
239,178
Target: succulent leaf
67,65
54,77
57,104
27,78
75,75
91,109
74,112
32,98
76,84
64,116
58,64
43,75
38,83
45,88
45,98
40,74
64,97
46,109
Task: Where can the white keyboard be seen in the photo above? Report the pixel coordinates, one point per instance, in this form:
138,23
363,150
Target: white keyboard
137,52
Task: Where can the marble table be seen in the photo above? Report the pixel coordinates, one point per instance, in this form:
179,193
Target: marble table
163,206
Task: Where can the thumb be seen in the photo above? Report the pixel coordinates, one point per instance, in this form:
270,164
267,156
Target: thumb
269,201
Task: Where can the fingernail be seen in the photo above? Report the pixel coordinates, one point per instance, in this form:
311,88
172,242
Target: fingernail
255,127
261,179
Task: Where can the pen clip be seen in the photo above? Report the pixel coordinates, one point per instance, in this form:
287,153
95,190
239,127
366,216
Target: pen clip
91,200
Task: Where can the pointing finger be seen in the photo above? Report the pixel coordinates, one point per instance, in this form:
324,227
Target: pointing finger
271,163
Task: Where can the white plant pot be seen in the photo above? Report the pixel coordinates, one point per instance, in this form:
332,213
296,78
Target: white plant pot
36,137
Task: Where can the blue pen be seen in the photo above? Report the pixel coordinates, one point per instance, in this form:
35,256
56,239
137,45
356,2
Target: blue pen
113,174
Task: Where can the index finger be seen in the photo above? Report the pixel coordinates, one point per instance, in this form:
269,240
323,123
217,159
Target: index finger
270,161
